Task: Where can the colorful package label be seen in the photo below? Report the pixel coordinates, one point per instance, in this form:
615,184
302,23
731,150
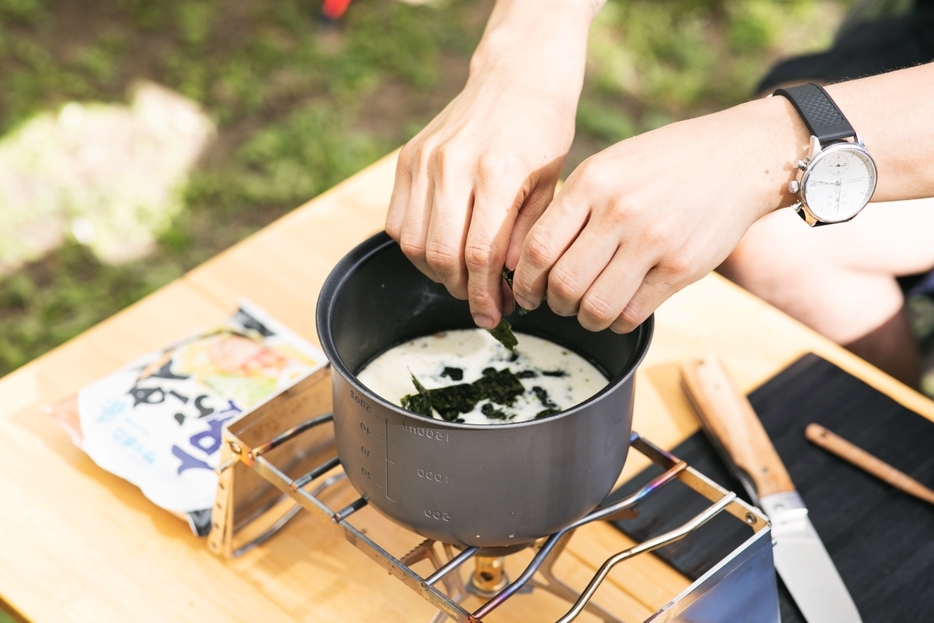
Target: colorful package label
158,421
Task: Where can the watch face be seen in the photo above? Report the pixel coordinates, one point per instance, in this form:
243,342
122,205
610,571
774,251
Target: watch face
839,182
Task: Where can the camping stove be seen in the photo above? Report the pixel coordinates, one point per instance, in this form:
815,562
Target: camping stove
277,457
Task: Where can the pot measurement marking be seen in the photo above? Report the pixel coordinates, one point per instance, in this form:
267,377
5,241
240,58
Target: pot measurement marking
389,463
427,433
440,516
360,401
433,476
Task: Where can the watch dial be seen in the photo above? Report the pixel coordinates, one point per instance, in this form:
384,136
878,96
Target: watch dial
839,183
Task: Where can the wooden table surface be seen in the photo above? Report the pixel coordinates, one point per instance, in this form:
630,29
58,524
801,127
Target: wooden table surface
79,544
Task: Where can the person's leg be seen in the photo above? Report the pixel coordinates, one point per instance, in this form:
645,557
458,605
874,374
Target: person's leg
840,279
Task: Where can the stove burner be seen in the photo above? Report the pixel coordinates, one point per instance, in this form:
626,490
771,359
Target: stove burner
741,587
489,576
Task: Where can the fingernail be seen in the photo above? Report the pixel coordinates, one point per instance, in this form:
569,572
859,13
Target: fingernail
484,322
524,303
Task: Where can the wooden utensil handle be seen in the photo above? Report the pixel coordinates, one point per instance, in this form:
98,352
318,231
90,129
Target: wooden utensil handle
728,417
834,444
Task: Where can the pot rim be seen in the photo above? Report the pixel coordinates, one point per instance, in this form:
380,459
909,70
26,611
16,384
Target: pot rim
376,244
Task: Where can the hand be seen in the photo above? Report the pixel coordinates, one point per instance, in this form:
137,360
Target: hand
646,217
479,174
474,181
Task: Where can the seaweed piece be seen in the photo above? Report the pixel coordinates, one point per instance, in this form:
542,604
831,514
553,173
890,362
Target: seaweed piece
526,374
543,397
453,400
455,374
507,277
504,335
499,386
419,402
418,386
558,373
492,412
550,407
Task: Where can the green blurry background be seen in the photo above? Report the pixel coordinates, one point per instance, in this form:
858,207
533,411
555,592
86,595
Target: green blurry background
301,104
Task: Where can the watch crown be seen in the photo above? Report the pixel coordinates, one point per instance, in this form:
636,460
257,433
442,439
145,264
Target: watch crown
801,164
794,187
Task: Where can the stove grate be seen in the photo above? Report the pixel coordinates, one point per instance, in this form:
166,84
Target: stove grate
743,583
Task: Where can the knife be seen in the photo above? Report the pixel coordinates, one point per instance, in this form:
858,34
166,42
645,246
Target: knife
800,558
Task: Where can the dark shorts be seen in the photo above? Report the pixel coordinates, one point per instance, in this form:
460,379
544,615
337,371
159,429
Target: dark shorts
863,49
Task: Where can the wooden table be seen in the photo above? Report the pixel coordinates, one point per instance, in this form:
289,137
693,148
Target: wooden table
78,544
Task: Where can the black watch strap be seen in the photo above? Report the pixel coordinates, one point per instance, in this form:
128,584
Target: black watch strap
819,112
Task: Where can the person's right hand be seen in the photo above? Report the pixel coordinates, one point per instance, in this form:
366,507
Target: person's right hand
479,175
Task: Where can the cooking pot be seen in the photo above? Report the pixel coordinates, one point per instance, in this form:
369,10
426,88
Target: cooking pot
498,485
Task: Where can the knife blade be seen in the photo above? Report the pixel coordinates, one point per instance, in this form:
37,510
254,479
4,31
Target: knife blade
801,559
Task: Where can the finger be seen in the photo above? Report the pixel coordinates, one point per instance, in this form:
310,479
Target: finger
413,235
546,241
401,190
543,184
579,267
452,205
509,301
494,214
606,299
655,289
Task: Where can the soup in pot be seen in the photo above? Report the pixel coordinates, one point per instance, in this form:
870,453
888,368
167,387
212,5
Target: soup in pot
468,376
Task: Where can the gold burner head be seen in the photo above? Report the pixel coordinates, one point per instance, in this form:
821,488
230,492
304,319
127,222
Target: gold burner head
489,575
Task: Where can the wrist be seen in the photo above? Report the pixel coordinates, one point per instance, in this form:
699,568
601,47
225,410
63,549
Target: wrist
536,43
787,140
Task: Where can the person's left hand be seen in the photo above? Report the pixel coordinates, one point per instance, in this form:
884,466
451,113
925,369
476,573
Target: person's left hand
644,218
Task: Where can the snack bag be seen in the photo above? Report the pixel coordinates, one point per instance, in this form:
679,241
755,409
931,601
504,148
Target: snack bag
157,422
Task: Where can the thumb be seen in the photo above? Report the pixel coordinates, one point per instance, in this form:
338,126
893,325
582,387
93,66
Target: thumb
531,210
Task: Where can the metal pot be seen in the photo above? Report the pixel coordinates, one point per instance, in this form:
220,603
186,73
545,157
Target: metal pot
497,485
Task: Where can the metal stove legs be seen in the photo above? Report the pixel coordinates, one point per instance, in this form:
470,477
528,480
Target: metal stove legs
489,578
558,588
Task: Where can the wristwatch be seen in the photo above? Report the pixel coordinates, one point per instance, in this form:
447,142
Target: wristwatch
839,177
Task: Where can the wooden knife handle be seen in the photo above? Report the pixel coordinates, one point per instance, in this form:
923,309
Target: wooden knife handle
731,422
822,437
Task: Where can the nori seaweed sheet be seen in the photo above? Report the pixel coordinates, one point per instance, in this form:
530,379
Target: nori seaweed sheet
419,402
504,335
507,277
503,331
455,374
556,373
499,386
550,407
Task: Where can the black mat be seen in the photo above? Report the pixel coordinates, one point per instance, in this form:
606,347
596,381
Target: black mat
881,539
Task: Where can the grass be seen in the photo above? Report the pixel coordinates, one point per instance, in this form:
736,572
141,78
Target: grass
301,105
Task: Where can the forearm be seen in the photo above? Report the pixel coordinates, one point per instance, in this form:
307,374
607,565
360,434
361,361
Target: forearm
893,114
538,44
